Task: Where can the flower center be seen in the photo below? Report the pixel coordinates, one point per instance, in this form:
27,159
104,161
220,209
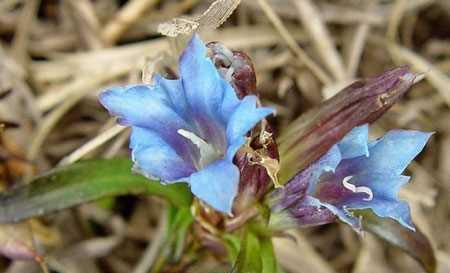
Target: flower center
208,153
355,189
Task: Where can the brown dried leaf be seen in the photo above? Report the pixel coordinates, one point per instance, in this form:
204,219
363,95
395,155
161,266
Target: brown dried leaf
217,13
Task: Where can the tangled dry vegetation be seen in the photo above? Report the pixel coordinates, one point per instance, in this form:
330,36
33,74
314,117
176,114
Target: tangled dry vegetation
55,57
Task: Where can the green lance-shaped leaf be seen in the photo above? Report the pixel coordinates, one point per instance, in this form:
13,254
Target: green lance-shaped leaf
173,246
256,254
80,183
269,261
180,220
249,258
415,244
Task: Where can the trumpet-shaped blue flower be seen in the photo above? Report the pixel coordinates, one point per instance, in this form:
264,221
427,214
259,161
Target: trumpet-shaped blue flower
189,129
355,174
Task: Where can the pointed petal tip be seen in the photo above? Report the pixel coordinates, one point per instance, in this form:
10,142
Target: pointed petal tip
267,111
110,99
404,220
105,96
195,46
419,138
253,101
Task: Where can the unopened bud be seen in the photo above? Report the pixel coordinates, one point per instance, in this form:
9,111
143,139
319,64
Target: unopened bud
235,66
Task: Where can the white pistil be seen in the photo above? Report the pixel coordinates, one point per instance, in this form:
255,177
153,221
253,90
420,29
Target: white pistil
356,189
208,153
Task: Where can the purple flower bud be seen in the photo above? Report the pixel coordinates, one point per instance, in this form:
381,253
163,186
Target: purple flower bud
313,134
235,66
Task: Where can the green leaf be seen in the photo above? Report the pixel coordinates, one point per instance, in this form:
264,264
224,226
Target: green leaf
181,224
256,254
268,259
232,244
249,258
415,244
179,220
80,183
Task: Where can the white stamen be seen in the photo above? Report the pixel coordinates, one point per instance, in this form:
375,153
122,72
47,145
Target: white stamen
356,189
207,151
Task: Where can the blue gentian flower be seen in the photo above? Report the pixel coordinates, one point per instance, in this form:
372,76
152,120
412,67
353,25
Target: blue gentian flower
354,174
189,129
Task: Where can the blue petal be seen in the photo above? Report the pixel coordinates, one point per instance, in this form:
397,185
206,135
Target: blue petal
230,101
343,215
327,163
175,94
233,148
154,158
217,184
245,117
200,79
393,152
204,90
148,107
355,142
385,203
143,106
397,210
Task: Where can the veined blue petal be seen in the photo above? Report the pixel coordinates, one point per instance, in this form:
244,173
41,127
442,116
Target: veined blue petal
148,107
327,163
245,117
200,79
393,152
217,184
385,184
305,182
343,215
130,105
142,137
175,93
154,158
375,191
233,148
204,91
385,202
230,101
354,144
